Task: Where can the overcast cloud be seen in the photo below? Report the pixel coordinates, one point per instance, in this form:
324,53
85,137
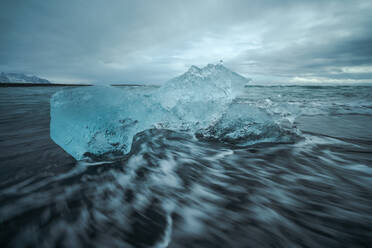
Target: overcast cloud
152,41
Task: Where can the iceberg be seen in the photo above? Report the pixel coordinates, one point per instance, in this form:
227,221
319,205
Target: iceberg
97,120
103,120
244,124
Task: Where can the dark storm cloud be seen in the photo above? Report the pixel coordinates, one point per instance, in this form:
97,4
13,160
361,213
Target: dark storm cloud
151,41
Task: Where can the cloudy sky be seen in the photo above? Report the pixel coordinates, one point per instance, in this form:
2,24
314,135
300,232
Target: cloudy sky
151,41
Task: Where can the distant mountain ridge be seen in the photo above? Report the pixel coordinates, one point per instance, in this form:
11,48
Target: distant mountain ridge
21,78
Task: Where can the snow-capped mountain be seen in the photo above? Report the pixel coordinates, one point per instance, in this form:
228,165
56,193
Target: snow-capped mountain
21,78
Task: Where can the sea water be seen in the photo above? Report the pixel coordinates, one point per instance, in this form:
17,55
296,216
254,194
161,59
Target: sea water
174,188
